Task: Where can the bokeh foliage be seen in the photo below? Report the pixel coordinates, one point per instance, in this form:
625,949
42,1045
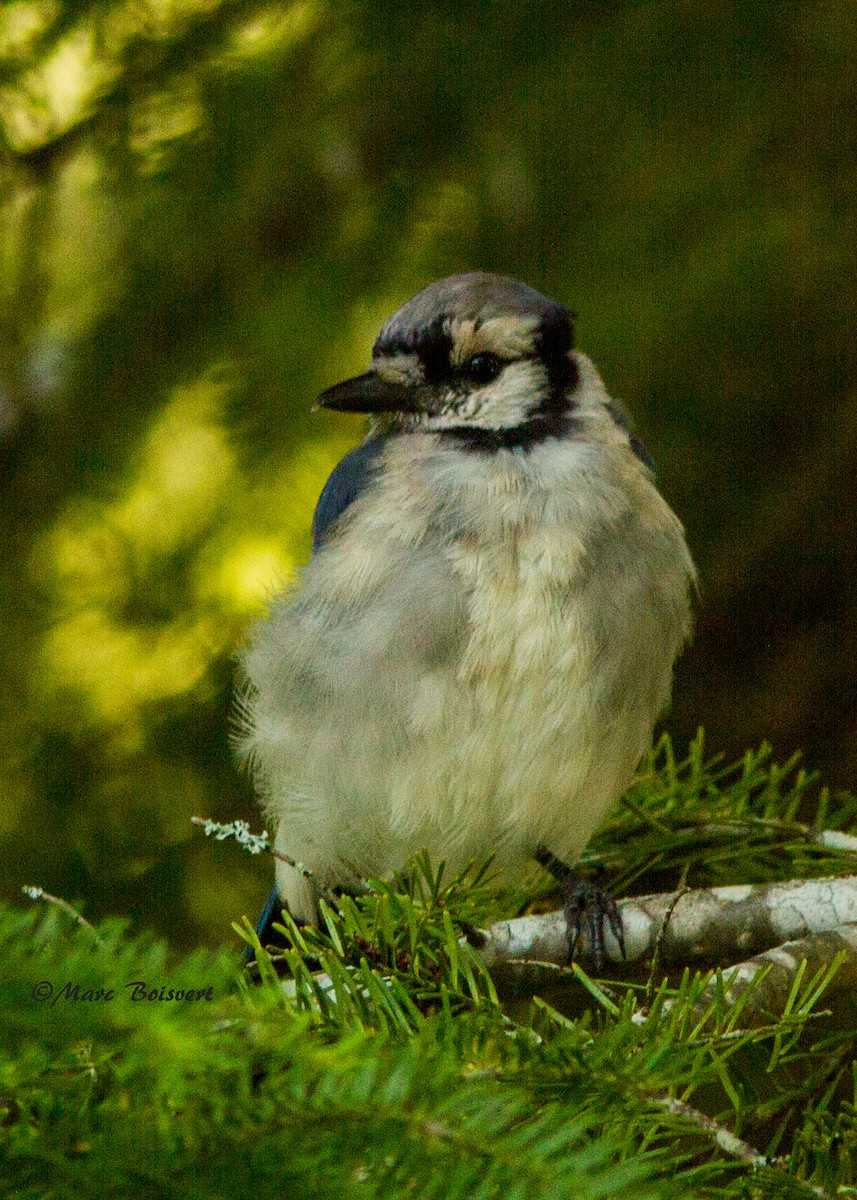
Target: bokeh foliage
207,207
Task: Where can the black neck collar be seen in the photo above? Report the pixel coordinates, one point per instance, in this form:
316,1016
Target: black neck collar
518,437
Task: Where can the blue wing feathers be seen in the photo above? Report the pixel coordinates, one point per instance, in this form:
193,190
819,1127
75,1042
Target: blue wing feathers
264,932
640,449
620,415
347,481
351,477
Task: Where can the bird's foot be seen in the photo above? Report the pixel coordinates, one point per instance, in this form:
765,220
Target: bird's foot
586,906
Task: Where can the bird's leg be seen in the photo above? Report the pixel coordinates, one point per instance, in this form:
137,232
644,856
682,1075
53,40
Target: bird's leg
584,904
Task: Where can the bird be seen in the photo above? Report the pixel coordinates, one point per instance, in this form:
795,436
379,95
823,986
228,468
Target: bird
474,658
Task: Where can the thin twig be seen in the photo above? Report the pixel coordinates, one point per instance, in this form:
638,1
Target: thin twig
253,843
728,1142
38,893
681,890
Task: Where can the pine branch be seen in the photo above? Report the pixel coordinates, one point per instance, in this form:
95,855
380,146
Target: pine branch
705,927
826,959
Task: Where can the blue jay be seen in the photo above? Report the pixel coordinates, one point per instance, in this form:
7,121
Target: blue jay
485,635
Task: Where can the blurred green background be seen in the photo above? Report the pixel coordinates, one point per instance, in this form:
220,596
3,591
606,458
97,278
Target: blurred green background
207,209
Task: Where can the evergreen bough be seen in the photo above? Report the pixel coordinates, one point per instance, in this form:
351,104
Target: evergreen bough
390,1063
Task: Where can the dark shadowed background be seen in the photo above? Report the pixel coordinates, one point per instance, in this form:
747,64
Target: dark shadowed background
207,209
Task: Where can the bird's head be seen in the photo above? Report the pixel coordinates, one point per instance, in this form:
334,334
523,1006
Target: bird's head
478,356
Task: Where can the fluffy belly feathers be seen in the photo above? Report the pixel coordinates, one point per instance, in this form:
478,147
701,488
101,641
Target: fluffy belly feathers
465,695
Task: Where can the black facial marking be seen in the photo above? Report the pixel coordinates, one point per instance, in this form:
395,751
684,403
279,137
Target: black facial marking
553,340
518,437
432,345
553,417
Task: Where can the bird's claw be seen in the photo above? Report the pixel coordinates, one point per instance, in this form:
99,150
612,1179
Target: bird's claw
587,906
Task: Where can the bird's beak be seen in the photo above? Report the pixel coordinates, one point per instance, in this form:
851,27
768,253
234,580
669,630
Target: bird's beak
369,393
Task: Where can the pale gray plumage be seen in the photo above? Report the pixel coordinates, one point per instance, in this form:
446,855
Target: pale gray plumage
466,297
475,656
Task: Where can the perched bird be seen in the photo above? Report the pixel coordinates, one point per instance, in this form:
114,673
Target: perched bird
478,649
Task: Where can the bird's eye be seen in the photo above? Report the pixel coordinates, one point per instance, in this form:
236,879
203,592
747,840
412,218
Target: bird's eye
482,368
